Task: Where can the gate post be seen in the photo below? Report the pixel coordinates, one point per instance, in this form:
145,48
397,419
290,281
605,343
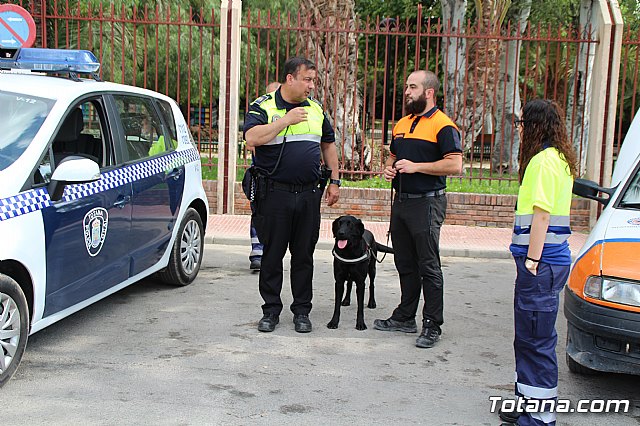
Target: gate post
607,23
228,103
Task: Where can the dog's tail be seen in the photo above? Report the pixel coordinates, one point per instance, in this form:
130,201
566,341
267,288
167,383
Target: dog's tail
384,249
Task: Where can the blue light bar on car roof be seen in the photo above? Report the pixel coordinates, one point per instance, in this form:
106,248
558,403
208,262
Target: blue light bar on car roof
52,60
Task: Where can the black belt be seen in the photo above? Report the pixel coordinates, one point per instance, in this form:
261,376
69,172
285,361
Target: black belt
405,195
291,187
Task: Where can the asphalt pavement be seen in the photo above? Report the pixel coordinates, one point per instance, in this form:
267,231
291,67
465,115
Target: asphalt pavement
153,354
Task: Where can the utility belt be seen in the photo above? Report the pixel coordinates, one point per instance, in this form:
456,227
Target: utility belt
291,187
408,195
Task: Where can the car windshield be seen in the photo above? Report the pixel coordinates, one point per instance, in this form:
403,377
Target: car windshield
20,119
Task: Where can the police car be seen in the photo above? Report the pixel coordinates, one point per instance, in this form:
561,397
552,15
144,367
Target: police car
100,186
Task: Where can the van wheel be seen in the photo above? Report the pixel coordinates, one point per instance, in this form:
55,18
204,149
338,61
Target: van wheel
187,251
14,327
576,368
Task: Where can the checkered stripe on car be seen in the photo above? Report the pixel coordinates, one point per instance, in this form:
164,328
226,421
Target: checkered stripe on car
37,199
24,203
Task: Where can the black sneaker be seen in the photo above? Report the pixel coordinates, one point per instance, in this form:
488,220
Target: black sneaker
302,323
268,323
429,336
509,417
393,325
255,265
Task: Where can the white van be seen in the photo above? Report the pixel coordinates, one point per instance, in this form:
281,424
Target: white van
602,298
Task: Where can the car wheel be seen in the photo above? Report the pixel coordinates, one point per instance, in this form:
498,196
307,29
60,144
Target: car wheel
576,368
14,327
187,251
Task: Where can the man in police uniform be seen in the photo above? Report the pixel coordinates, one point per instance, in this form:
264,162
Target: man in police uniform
425,148
289,131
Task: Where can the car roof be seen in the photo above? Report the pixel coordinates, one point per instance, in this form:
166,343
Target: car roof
65,89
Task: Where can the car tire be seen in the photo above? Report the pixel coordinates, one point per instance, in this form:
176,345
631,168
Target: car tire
187,252
576,368
14,327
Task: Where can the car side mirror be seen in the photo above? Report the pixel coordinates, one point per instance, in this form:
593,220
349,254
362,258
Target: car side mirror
72,170
589,189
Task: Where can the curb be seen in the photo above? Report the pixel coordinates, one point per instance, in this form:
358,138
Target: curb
328,245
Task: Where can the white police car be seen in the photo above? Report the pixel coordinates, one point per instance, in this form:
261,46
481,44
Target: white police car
100,186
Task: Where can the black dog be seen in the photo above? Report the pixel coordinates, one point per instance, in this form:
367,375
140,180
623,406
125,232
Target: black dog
354,257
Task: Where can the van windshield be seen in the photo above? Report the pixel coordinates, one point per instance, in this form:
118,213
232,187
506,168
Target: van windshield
21,117
631,197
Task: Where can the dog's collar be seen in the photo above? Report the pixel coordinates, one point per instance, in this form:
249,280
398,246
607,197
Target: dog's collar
362,258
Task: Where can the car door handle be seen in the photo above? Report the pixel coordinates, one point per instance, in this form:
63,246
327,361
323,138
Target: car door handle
122,202
175,174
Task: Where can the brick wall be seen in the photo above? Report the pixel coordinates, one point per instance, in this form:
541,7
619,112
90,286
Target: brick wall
463,209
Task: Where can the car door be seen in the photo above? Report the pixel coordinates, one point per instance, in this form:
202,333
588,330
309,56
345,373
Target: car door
87,231
158,180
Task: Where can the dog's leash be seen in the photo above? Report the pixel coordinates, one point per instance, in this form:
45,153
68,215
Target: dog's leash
390,213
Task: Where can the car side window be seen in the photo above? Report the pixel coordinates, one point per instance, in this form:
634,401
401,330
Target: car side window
142,126
167,114
81,133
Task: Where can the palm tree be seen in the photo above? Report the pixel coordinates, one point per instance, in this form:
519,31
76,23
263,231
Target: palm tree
335,53
476,114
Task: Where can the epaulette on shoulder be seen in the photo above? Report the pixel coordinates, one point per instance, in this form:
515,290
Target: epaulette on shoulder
262,98
316,101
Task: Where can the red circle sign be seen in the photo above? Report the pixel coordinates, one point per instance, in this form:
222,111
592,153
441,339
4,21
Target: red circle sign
17,28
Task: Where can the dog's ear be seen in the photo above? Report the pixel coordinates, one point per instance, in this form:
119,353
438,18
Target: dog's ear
334,226
360,227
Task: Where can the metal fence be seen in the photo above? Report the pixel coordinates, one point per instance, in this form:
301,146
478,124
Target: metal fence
362,64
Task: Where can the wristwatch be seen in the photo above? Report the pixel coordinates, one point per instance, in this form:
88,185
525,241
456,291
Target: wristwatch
335,181
531,263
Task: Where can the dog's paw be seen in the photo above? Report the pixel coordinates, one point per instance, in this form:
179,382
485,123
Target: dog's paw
332,325
371,304
361,326
346,302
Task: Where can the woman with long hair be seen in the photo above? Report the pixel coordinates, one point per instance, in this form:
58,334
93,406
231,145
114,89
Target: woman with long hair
541,252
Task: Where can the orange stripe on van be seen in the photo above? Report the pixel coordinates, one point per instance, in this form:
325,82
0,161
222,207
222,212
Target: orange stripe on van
621,260
588,264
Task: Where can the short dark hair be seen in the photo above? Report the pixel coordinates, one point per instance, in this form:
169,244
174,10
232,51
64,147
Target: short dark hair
293,65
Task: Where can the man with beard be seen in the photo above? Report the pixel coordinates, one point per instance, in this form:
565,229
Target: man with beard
425,149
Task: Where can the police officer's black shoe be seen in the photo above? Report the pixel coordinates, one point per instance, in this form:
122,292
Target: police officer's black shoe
268,323
393,325
255,265
302,323
509,417
429,336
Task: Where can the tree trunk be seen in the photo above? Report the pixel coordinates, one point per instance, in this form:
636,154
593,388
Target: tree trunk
335,53
454,54
577,114
507,140
476,117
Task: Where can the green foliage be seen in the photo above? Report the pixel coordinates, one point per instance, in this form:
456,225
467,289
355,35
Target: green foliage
152,54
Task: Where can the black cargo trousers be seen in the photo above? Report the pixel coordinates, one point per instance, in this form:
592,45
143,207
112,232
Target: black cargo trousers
415,233
288,216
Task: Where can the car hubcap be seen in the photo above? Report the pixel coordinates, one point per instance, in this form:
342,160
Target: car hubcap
9,330
190,247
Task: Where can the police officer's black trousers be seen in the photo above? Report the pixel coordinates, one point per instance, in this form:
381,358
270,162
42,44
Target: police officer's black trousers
288,219
415,233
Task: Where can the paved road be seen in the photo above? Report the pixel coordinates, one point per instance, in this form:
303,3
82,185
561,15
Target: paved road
154,354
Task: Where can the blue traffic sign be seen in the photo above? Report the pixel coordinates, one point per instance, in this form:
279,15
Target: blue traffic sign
17,28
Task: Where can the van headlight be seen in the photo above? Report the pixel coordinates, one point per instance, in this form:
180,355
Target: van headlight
612,290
